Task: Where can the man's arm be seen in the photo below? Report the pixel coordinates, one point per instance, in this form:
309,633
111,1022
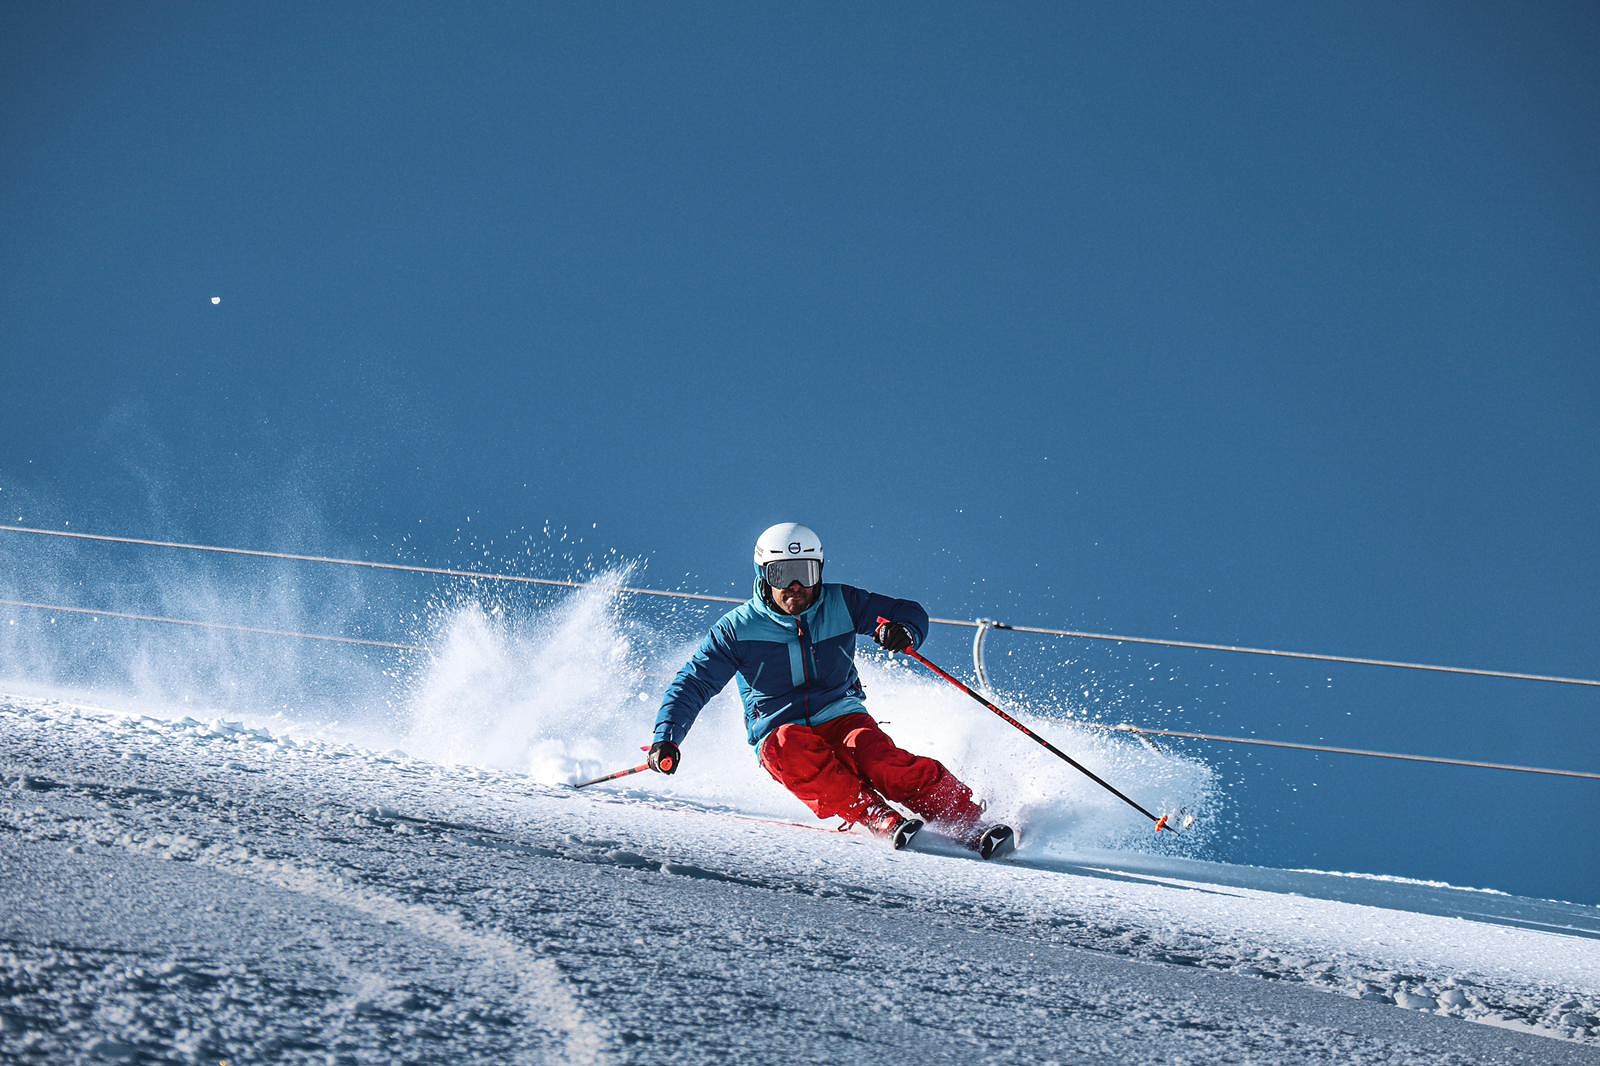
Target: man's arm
710,668
867,607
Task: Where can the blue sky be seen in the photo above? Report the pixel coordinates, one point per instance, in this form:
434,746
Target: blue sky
1233,323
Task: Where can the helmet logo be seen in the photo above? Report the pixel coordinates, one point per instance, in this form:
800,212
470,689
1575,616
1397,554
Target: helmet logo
794,547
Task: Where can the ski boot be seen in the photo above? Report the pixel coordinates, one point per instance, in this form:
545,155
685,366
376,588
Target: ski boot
886,822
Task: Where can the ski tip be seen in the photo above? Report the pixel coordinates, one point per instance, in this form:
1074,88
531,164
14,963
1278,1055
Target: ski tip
998,841
905,832
1161,823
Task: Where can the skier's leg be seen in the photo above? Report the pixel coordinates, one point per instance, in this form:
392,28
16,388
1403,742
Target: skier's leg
917,781
800,759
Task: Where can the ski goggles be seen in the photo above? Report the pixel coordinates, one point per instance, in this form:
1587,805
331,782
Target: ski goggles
781,573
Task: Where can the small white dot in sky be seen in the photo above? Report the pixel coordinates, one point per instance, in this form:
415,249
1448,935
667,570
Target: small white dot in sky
216,300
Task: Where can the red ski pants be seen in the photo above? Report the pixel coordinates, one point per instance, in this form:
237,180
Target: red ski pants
842,768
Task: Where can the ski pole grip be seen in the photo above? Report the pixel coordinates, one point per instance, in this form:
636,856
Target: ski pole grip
667,763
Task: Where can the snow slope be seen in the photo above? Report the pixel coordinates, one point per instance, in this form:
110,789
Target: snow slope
192,891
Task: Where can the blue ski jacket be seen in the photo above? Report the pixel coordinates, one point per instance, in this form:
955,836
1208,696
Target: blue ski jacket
791,668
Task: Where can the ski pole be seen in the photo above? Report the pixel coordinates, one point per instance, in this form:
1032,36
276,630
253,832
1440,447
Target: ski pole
666,768
612,777
1161,823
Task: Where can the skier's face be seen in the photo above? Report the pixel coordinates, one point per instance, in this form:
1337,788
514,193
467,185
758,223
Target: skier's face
794,599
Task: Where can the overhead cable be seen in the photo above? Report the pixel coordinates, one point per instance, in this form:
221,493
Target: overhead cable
704,597
1142,731
367,563
258,630
1138,731
1317,657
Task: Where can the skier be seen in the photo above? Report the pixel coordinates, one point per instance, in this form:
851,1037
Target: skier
792,645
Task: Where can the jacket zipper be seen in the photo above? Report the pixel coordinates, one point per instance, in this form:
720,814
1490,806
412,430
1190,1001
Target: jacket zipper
805,669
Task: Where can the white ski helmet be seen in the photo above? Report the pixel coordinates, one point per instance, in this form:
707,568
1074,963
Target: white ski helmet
788,541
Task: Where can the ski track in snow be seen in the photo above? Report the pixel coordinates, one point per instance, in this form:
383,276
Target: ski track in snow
188,891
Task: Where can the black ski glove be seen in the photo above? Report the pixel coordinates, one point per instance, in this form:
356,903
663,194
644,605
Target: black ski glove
892,636
663,756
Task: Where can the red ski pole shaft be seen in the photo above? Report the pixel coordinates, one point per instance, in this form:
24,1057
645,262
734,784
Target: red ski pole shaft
612,777
1161,823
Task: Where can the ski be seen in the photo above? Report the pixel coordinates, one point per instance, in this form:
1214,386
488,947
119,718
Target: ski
997,842
906,832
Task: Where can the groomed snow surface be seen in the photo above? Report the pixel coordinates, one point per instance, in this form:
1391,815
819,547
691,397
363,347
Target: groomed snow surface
179,890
